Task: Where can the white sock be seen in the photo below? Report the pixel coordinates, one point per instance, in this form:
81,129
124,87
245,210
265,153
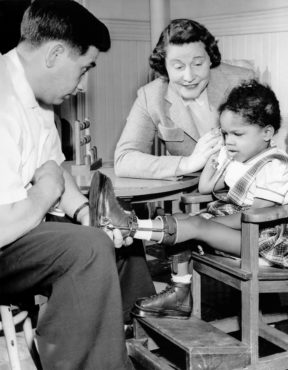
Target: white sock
162,226
185,279
141,234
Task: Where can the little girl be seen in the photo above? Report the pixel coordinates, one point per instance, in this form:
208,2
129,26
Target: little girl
252,172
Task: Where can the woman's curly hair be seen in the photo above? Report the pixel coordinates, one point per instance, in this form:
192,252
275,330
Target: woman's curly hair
179,32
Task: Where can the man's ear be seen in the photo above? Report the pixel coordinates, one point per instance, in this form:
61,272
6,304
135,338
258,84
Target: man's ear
269,132
54,53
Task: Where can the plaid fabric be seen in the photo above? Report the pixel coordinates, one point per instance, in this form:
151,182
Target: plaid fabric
238,193
222,208
273,241
273,244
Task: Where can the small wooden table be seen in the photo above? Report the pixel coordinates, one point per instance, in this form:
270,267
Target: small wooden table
136,190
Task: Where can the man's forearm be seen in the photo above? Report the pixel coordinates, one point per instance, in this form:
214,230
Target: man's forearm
72,198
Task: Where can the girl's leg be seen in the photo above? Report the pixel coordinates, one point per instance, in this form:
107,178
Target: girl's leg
176,300
216,235
180,262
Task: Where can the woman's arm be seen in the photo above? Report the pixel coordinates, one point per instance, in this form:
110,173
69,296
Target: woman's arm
133,154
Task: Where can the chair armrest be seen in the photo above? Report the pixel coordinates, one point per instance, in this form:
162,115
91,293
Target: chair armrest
261,215
194,198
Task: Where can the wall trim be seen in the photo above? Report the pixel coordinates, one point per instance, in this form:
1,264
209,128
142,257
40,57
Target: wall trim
121,29
264,21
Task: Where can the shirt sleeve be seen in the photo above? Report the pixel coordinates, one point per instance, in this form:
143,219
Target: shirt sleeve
12,188
56,153
272,182
51,145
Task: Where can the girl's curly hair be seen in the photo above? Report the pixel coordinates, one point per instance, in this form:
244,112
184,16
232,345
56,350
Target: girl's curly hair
255,102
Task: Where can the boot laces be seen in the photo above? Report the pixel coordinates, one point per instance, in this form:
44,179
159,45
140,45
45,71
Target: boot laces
165,292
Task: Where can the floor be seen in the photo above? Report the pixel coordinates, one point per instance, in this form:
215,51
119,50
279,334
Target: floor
218,301
26,361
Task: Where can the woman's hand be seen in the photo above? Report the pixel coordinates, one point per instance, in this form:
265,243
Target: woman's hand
208,145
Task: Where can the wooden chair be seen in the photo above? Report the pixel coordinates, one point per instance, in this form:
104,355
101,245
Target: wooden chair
251,280
7,324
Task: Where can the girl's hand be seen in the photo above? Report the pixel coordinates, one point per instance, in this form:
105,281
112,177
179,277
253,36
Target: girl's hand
212,161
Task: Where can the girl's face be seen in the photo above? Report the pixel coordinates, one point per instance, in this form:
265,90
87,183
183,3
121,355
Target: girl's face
188,68
243,140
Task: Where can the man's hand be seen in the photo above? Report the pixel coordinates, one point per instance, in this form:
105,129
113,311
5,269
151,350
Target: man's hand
116,236
50,175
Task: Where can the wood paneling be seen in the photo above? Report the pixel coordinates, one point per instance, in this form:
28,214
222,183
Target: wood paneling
112,90
260,36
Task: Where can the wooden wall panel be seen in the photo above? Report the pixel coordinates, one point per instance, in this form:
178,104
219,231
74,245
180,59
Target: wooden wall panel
112,90
261,37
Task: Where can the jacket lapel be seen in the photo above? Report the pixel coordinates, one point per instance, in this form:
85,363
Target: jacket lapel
217,88
178,115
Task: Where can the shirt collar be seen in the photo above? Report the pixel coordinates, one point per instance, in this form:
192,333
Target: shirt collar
20,82
201,101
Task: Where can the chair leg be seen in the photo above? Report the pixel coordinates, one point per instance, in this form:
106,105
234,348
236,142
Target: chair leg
10,337
250,318
196,293
30,341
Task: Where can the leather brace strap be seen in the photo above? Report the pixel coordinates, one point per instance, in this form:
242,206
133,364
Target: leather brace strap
170,229
179,258
133,224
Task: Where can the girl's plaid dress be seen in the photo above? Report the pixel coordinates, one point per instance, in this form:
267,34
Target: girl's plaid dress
273,240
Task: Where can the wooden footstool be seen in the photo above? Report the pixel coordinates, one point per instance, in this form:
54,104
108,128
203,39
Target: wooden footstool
167,344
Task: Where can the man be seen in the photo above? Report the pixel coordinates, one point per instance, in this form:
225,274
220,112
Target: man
74,266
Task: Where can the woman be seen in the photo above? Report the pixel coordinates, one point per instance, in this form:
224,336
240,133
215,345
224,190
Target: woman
180,106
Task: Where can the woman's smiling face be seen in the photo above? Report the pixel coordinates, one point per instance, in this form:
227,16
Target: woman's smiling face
188,67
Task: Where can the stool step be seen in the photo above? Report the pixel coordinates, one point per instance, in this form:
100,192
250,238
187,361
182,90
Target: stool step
189,344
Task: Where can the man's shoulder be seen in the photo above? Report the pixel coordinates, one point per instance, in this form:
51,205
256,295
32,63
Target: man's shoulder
5,81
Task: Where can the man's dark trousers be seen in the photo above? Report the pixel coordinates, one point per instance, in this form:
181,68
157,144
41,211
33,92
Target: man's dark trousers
82,327
134,275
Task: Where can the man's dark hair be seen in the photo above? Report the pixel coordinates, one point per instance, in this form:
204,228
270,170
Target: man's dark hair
255,102
63,20
179,32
